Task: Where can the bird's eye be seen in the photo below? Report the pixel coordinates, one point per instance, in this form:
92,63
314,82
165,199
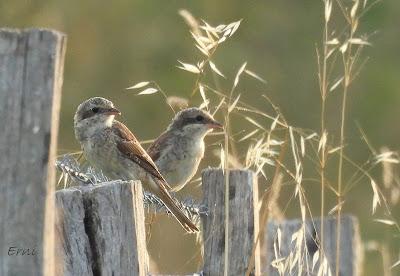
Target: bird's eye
199,118
95,109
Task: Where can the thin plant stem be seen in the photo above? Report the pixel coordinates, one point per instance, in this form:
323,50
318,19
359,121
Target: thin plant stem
199,77
324,90
323,164
265,213
348,63
226,161
340,172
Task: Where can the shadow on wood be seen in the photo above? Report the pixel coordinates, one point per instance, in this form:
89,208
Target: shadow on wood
73,254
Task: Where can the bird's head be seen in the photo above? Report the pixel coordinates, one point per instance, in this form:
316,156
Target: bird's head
93,114
194,122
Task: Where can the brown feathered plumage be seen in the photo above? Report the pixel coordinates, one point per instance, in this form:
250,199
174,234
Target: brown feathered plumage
110,146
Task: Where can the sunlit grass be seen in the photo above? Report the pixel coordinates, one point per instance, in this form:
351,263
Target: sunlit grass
282,154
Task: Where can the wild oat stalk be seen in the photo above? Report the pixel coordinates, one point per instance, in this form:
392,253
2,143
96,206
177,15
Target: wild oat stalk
323,84
350,51
207,39
266,146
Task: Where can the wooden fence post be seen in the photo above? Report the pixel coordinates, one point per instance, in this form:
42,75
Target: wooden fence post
31,69
73,254
243,221
113,240
101,231
283,247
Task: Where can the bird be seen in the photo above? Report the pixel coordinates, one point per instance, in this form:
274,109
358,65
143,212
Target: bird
178,151
111,147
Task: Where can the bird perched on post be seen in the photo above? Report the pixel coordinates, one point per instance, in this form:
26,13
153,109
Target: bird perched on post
178,151
111,147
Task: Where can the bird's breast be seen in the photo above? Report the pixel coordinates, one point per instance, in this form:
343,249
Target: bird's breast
180,161
102,153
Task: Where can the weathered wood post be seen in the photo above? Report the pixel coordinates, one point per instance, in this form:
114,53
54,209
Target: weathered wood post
243,221
283,245
73,252
102,232
31,71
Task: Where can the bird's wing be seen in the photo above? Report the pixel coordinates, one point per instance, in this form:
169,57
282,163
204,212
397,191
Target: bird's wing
155,148
131,148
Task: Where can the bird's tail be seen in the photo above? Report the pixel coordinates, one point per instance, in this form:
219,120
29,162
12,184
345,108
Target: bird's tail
176,211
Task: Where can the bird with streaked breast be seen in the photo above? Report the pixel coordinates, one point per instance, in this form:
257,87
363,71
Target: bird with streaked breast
178,151
111,147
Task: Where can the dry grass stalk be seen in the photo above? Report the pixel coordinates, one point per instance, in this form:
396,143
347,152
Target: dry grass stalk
270,134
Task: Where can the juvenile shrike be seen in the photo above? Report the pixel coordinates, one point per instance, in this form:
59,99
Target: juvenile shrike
111,147
179,150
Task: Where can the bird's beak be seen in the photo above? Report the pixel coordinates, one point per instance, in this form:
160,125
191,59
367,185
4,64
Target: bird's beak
112,111
215,125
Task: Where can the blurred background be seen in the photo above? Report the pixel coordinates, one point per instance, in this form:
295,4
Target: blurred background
113,45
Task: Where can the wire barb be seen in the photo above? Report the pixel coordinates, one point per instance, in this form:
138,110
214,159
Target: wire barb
79,175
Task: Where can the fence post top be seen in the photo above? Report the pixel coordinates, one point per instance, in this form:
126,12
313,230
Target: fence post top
31,30
215,170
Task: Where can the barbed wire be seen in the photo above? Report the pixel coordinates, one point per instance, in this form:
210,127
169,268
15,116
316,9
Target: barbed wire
81,175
